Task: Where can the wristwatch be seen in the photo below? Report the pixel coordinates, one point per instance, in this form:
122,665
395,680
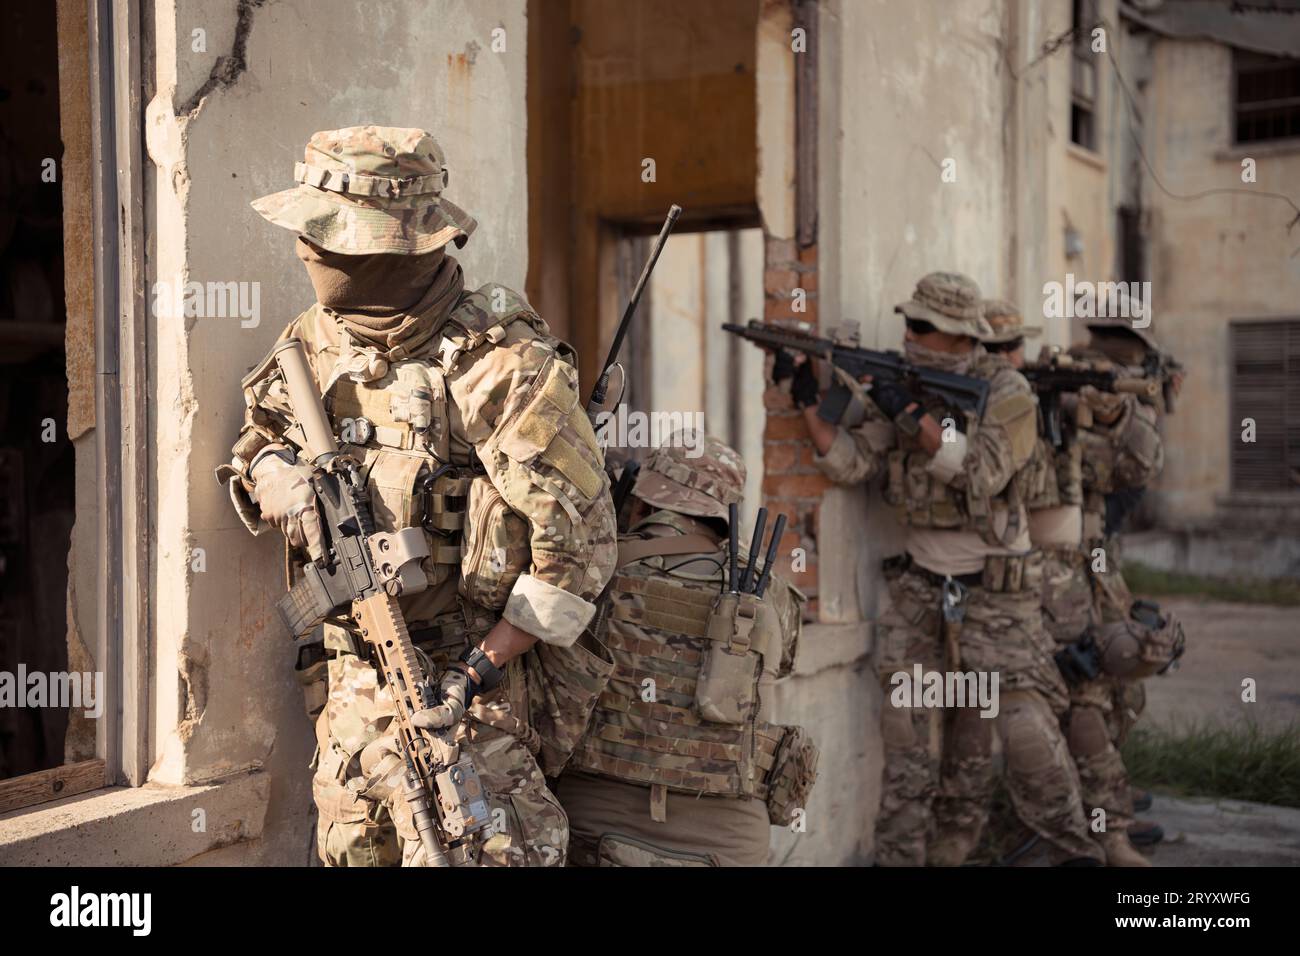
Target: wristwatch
489,674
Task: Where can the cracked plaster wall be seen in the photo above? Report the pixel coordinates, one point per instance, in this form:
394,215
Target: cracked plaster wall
224,126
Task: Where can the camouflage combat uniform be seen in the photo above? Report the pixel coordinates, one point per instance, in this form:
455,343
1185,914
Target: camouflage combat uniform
1066,501
1122,457
678,768
967,497
466,421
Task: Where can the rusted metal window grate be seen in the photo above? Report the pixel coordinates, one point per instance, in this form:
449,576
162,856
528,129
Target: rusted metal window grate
1266,389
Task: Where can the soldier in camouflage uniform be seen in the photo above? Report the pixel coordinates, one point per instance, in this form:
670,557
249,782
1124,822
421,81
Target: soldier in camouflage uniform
1072,611
960,494
463,411
678,768
1122,452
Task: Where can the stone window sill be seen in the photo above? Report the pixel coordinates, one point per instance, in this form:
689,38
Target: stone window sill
136,826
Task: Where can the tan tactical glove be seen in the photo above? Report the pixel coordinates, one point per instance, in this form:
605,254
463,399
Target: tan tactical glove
1106,406
282,490
456,694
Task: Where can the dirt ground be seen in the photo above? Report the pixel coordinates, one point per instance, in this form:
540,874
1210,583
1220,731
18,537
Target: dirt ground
1227,643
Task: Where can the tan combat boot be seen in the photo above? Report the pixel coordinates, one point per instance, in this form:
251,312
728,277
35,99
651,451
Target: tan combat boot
1119,852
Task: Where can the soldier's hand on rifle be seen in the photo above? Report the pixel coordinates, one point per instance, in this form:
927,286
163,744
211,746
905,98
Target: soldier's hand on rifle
891,398
283,492
1106,406
783,366
456,691
804,388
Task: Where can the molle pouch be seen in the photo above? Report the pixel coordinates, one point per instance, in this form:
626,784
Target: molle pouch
893,491
564,684
496,547
794,771
727,689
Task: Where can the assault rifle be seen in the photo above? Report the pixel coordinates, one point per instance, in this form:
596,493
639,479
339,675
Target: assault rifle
1161,368
960,391
1052,377
365,570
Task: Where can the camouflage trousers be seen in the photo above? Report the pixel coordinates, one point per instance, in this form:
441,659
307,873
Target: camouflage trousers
363,818
1113,599
1071,607
938,776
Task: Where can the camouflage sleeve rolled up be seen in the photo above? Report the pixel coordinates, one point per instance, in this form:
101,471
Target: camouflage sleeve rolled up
857,454
519,406
999,445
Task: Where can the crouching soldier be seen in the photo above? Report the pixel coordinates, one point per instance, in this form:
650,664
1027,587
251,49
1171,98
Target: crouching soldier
679,766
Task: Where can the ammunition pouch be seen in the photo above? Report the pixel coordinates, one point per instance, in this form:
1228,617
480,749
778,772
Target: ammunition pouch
1013,573
311,670
1146,643
1080,660
496,547
793,774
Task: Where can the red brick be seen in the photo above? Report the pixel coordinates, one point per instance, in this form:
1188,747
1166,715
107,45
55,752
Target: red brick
775,309
808,254
779,251
798,486
785,428
780,281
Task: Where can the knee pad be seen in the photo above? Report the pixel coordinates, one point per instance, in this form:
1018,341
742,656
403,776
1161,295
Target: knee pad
1088,735
1028,730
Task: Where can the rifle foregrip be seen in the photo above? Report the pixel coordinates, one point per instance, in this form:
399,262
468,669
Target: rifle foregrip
305,400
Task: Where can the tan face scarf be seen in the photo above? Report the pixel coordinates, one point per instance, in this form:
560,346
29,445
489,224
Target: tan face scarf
956,362
387,306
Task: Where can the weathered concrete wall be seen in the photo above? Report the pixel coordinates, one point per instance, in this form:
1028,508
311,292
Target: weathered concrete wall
894,104
1222,257
225,126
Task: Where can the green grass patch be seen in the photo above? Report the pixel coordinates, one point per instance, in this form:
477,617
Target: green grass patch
1150,581
1238,761
1241,761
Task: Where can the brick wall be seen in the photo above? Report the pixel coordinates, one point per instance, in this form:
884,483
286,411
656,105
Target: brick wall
792,484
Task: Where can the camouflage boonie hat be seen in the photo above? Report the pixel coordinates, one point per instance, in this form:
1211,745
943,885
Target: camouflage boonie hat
1006,322
702,486
950,302
1125,324
370,189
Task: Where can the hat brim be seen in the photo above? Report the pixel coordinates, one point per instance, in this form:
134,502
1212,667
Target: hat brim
1024,332
411,227
654,489
1124,326
945,323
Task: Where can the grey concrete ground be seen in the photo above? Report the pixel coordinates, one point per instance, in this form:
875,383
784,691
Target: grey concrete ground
1227,643
1202,832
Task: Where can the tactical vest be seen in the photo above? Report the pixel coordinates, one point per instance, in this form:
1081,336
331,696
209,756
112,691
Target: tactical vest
922,500
1126,455
1055,475
649,725
404,429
